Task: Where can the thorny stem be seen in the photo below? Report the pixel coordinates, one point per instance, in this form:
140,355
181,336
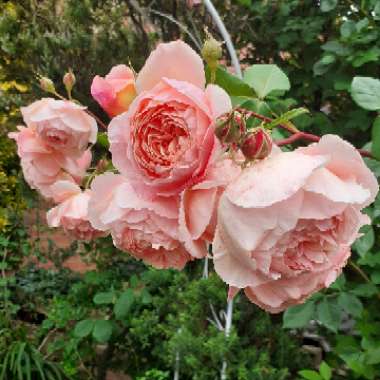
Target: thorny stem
297,134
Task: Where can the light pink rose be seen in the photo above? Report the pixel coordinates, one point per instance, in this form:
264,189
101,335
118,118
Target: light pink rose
62,125
42,165
72,212
285,226
116,91
147,230
166,142
197,216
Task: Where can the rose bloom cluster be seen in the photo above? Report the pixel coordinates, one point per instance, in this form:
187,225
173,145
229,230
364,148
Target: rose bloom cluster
281,227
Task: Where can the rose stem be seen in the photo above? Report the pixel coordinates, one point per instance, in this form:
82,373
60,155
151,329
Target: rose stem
298,135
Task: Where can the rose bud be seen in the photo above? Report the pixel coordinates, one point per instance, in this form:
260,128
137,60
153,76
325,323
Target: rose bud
69,81
116,91
257,145
212,51
47,85
230,127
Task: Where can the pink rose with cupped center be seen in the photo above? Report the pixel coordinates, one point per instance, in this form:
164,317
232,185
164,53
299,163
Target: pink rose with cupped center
286,225
147,230
166,142
72,211
43,166
116,91
62,125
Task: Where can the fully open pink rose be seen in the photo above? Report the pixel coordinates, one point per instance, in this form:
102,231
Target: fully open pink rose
147,230
197,217
166,141
62,125
285,226
72,212
42,165
116,91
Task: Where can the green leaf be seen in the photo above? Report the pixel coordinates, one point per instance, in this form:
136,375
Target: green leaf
329,314
370,259
366,92
310,375
123,304
322,66
328,5
102,330
284,118
231,83
103,298
347,28
375,278
364,290
298,316
83,328
102,140
375,148
350,303
266,78
325,371
366,241
373,356
336,47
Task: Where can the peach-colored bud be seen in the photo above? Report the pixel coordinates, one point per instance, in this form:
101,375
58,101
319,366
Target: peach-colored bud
257,145
230,127
116,91
47,85
69,80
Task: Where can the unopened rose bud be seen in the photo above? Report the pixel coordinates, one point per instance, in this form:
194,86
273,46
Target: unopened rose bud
257,145
47,85
230,127
212,51
69,81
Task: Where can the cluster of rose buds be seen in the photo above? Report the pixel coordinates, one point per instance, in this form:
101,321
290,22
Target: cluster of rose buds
231,129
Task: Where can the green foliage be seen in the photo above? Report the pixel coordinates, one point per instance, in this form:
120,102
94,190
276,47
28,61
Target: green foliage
265,79
24,362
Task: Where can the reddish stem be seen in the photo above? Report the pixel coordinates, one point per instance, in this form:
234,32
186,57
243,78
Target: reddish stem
296,134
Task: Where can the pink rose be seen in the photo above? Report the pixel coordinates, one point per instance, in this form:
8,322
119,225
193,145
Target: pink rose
116,91
197,216
147,230
42,166
72,212
166,141
285,226
62,125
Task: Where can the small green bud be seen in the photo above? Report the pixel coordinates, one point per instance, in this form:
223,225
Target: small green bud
212,51
47,85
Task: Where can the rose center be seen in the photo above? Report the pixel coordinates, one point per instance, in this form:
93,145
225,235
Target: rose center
309,244
160,139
